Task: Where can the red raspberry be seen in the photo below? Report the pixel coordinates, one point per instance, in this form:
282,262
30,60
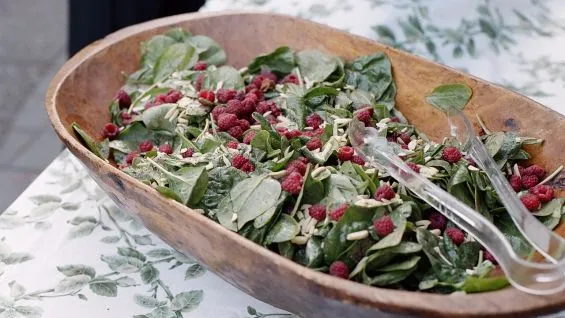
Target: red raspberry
200,66
198,82
226,121
404,137
224,95
263,83
187,153
531,201
244,124
275,110
339,269
451,154
235,106
413,166
172,96
404,146
345,153
130,156
248,106
145,146
394,119
207,95
358,160
238,161
216,111
383,226
232,144
365,115
291,79
264,106
314,143
268,74
437,220
318,212
111,131
314,121
292,183
534,170
303,160
240,95
543,192
126,118
292,134
248,167
515,182
384,192
236,132
338,212
124,100
456,235
529,181
521,170
489,257
248,137
271,119
166,148
392,137
296,166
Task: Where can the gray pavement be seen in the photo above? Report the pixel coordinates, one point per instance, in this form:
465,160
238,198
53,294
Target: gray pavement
33,37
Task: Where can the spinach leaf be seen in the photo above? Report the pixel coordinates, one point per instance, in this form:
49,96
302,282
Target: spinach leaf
388,278
248,199
406,264
227,75
285,229
371,73
315,65
292,104
286,249
154,118
468,254
313,190
188,183
280,61
476,284
451,95
513,235
176,57
391,240
220,182
99,149
360,97
339,190
208,50
154,48
314,252
178,34
319,96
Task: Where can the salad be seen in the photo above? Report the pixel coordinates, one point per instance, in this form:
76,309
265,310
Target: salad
264,151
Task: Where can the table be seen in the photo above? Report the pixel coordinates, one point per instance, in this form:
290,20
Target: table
63,230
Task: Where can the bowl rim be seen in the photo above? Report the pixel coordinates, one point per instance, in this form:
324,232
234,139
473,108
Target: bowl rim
360,294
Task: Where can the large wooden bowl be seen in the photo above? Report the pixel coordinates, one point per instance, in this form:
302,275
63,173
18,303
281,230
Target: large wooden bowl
80,93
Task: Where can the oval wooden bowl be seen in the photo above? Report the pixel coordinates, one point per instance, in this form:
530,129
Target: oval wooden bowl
82,89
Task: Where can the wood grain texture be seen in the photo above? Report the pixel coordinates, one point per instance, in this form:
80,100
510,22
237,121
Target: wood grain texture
80,93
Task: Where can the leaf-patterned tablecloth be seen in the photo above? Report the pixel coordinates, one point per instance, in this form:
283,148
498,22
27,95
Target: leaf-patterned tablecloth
67,251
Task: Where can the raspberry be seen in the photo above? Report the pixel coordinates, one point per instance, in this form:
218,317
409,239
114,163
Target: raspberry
515,182
207,95
405,138
339,269
236,132
248,137
232,144
123,98
314,121
358,160
126,118
263,83
292,134
268,74
248,106
291,79
383,226
529,181
110,131
345,153
384,192
531,201
413,166
145,146
394,119
225,95
234,106
216,111
130,156
198,82
296,166
456,235
534,170
338,212
226,121
543,192
244,124
292,183
437,221
200,66
303,160
271,119
451,154
238,161
404,146
172,96
365,115
314,143
318,212
264,106
489,257
240,95
248,167
187,153
166,148
275,110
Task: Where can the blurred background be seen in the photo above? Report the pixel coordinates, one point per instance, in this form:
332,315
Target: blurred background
36,37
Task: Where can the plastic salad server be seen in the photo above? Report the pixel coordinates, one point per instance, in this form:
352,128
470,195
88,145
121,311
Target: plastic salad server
530,277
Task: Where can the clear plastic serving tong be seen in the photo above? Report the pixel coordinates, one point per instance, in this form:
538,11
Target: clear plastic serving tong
530,277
